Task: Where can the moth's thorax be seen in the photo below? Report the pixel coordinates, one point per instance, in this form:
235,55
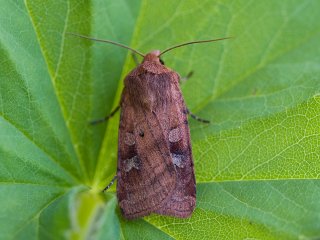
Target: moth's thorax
152,56
150,84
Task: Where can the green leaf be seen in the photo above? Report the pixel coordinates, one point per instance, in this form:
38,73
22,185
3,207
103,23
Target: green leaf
257,163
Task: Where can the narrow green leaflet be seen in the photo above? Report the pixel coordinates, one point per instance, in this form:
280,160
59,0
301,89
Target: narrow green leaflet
257,163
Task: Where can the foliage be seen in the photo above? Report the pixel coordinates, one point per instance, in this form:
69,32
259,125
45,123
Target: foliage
257,163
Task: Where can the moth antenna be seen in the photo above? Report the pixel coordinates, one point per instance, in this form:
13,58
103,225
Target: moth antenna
193,42
106,41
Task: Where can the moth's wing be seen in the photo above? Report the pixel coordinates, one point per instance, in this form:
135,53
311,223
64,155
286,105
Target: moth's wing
183,200
146,173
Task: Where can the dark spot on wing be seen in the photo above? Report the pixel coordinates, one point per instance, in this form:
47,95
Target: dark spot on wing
130,163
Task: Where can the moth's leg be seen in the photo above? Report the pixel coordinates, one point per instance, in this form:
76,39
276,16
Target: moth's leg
135,59
106,117
196,117
185,78
110,184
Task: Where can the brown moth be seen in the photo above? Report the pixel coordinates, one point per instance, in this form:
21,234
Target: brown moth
155,172
155,167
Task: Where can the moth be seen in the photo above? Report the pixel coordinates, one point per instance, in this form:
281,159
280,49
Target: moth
155,171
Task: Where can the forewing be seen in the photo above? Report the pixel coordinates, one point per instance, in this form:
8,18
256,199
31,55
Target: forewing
146,173
183,199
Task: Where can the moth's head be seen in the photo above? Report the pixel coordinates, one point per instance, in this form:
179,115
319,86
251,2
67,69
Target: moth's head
153,56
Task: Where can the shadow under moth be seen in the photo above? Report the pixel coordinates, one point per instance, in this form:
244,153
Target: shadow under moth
155,172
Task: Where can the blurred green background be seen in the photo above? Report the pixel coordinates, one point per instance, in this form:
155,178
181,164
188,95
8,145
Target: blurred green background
257,162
